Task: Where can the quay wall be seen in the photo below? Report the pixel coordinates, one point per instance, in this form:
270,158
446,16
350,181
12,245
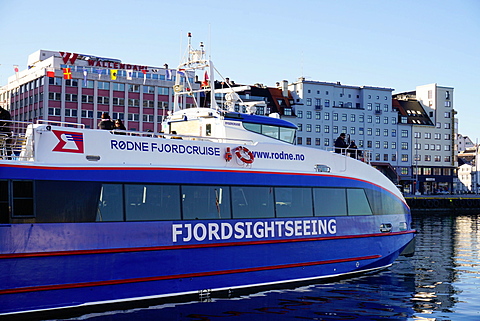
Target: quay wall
450,203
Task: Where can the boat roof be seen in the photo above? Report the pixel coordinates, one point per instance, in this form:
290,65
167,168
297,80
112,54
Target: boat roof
258,119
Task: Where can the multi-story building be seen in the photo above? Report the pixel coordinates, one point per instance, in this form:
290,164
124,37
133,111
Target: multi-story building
70,87
365,114
434,141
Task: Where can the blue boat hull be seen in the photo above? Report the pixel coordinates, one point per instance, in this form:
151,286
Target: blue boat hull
70,265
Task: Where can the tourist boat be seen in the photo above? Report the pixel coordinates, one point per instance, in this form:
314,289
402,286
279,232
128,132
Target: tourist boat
219,201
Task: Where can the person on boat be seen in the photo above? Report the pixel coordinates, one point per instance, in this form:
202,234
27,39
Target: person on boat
353,150
106,122
120,126
5,130
5,125
340,143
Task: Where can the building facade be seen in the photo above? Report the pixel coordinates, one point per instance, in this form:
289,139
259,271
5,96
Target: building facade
77,88
365,114
435,148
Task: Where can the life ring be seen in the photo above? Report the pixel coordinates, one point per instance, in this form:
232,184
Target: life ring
244,154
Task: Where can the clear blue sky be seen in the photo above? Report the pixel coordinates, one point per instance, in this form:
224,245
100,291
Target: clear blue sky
395,44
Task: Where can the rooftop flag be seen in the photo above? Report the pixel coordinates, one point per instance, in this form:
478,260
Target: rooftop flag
67,73
85,73
129,74
50,72
144,71
113,74
168,74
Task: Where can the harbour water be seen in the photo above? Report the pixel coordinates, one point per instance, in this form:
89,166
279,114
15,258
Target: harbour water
440,282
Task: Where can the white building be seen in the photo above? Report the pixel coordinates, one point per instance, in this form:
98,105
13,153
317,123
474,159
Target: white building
363,113
434,142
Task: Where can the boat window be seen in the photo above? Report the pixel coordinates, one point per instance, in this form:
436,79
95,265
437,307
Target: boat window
22,195
205,202
152,202
252,202
384,203
287,135
358,202
64,201
330,201
293,202
4,208
280,133
271,131
110,206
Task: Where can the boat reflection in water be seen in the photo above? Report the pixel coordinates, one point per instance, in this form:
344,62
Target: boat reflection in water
440,282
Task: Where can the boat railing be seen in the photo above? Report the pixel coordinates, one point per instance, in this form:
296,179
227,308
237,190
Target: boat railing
363,155
13,139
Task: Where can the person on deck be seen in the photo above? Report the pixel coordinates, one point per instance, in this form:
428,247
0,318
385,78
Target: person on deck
106,122
340,143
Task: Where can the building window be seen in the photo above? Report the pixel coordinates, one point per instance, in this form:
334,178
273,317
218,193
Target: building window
309,114
377,144
118,101
394,145
404,171
385,145
317,128
326,141
446,159
327,102
369,119
344,117
385,106
446,126
105,85
447,114
404,133
299,140
53,96
377,131
103,100
299,127
404,145
377,119
317,141
335,116
446,148
88,84
118,86
326,129
318,102
446,137
326,116
299,114
309,101
309,128
133,117
134,88
71,97
318,115
404,157
148,89
385,132
335,129
352,130
148,104
352,118
428,158
133,103
369,106
360,131
57,81
71,82
309,141
369,131
438,158
361,118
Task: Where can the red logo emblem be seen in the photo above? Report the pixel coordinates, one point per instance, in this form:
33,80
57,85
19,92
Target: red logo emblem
68,56
69,142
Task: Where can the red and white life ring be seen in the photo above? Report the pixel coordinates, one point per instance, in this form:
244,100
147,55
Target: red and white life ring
244,154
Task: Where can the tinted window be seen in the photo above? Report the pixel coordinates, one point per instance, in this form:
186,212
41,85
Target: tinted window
205,202
293,202
152,202
252,202
358,202
330,201
110,206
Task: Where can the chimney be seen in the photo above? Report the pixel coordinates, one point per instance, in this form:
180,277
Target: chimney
285,88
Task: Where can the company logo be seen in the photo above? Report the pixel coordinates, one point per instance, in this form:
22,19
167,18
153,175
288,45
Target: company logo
67,56
69,142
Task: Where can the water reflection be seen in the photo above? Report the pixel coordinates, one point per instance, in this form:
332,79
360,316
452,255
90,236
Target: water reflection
440,282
